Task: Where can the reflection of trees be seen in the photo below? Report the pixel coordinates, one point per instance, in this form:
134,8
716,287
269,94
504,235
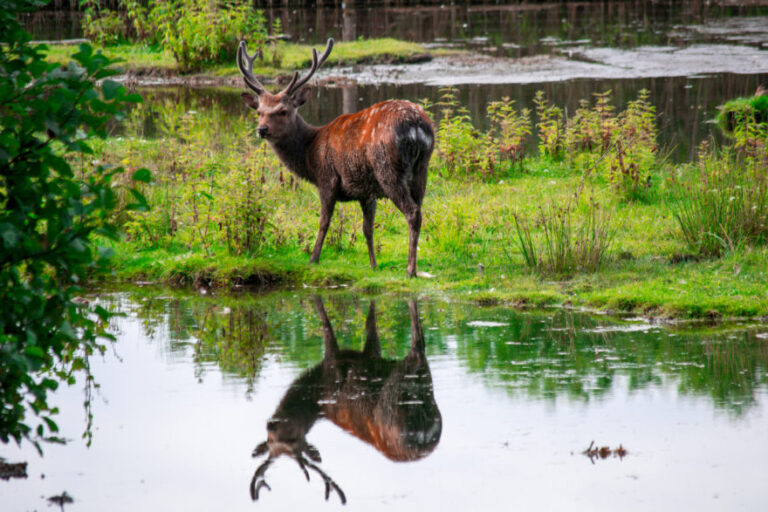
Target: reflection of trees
537,354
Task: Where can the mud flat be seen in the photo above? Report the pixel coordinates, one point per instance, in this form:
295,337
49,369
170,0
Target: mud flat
579,62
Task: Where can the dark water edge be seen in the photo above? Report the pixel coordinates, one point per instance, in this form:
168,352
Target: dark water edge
685,105
506,401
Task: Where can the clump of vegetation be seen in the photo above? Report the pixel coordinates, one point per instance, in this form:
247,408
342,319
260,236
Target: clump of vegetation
573,237
736,112
462,151
621,148
198,33
209,193
51,216
722,201
510,129
549,127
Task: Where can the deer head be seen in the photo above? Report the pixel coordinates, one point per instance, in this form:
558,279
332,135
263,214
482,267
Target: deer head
277,112
299,450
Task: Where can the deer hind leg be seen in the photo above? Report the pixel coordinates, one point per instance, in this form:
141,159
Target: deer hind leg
369,214
327,204
400,194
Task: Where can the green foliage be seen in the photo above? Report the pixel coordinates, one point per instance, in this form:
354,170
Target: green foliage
733,112
509,129
49,215
198,33
209,192
621,148
461,150
563,247
550,127
722,203
464,152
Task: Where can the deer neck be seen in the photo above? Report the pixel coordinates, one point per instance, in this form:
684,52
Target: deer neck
293,151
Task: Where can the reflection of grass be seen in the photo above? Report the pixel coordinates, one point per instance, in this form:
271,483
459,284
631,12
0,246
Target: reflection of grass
536,354
293,56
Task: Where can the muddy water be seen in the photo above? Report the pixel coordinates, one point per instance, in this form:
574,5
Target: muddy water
412,405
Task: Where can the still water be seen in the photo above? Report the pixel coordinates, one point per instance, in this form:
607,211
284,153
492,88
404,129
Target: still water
411,404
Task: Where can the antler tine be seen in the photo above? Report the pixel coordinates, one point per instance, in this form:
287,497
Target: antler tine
250,80
316,63
258,481
329,484
303,465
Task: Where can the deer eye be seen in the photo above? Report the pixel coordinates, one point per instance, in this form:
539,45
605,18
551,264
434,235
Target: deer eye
281,113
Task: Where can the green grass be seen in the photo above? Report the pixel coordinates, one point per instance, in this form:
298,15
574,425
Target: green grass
137,57
213,181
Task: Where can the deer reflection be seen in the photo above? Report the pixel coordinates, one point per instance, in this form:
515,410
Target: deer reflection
388,404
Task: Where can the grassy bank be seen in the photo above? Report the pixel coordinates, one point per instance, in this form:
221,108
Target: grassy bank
610,225
284,58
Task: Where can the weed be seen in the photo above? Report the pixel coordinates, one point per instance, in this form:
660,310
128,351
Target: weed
550,127
722,203
562,247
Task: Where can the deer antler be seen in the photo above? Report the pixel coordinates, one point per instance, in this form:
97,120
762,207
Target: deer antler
295,85
250,80
329,483
258,481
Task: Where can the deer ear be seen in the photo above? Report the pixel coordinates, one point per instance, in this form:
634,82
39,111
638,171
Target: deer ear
250,100
301,96
312,452
260,450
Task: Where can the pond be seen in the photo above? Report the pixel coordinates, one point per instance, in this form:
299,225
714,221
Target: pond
412,404
692,56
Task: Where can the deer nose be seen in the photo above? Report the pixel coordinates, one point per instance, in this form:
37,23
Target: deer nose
272,425
262,131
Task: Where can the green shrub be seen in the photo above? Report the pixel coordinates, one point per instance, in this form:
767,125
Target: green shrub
199,33
49,216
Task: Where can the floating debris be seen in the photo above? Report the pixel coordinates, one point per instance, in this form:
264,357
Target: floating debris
603,452
61,500
12,469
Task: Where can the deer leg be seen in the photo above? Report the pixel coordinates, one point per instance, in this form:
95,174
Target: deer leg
401,196
326,212
372,348
369,214
329,338
417,332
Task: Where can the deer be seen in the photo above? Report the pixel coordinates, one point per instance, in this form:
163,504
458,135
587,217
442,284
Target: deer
380,152
387,404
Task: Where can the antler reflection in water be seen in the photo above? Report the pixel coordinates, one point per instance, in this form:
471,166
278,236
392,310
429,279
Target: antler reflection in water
388,404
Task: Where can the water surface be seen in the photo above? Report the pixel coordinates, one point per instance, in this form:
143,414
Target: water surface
496,414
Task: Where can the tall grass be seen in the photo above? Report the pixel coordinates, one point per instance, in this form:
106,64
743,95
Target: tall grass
573,237
722,204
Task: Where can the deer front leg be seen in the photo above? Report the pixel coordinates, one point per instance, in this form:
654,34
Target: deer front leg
369,214
327,204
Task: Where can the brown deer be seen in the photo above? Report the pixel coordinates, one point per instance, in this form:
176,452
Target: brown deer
382,151
388,404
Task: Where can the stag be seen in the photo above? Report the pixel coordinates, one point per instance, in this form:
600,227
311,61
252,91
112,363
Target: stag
388,404
382,151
